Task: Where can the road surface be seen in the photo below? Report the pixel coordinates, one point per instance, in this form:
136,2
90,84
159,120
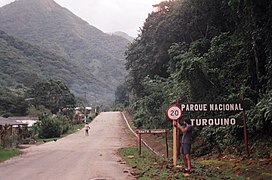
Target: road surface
75,157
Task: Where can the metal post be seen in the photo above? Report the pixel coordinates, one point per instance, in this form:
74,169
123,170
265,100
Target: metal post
85,104
95,104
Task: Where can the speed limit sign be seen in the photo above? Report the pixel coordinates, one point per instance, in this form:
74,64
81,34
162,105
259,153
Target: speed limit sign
173,112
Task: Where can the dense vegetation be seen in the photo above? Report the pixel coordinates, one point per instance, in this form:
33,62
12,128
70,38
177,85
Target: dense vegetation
51,127
12,102
82,56
44,96
50,100
202,51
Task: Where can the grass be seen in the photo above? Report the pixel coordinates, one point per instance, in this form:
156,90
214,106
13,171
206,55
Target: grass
6,154
148,166
248,168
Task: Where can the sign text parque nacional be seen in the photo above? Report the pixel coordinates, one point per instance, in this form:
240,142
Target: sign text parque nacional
232,106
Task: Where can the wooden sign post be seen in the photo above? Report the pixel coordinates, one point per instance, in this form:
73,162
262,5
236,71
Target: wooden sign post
175,154
174,113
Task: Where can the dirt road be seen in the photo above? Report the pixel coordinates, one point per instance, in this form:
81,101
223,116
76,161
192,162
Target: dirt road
75,157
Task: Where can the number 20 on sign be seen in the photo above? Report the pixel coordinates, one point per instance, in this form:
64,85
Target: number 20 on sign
173,112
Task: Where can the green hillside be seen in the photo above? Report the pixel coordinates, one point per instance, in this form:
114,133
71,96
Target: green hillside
23,63
92,53
124,35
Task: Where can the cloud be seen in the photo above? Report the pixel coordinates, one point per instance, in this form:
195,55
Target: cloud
112,15
109,15
4,2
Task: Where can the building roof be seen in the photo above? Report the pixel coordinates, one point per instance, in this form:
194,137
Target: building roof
23,118
17,120
6,121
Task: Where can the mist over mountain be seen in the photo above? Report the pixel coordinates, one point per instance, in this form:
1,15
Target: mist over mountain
93,54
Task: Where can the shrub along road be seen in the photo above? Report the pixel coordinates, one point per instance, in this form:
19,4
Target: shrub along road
75,156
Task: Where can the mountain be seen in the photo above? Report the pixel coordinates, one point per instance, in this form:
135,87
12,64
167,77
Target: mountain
97,56
23,63
124,35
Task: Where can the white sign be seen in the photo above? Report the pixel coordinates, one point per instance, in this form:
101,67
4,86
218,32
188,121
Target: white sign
151,131
173,112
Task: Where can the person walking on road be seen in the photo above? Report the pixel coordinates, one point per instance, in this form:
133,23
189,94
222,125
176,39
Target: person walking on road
87,127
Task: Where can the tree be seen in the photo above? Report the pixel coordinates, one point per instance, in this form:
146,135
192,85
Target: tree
121,95
52,94
12,101
51,126
253,26
179,21
203,51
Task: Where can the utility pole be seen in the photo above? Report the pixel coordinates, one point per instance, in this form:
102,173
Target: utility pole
85,104
95,104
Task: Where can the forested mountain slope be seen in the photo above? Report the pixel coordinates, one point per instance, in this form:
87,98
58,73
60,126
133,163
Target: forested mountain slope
205,51
124,35
23,63
97,55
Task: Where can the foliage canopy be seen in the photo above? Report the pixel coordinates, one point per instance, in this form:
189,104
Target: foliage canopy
203,51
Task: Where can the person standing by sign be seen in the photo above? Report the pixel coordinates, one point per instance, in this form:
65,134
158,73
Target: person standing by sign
186,142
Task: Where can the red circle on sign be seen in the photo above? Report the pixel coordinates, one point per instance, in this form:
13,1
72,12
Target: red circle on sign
173,112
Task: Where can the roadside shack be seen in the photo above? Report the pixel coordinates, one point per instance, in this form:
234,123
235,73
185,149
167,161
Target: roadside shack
11,131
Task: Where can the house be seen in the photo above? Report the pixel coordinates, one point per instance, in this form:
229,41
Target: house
29,120
9,129
80,113
13,127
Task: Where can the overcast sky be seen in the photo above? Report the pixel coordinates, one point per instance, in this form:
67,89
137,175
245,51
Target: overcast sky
109,15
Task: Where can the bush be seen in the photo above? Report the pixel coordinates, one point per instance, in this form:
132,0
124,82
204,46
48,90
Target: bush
63,122
51,127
